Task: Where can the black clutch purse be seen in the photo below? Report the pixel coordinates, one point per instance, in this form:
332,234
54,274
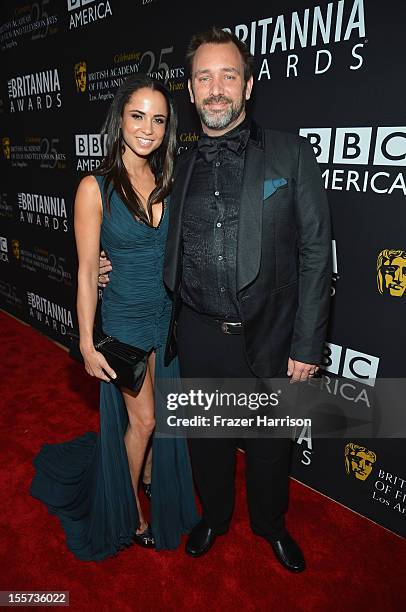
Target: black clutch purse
128,362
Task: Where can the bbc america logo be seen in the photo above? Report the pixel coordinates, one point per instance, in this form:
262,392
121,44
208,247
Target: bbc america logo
90,149
382,146
74,5
90,145
84,12
350,363
360,147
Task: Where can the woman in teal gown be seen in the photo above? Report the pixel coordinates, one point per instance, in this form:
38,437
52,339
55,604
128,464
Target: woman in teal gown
91,482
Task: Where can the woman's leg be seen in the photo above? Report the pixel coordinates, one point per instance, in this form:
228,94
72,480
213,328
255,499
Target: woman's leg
146,475
141,422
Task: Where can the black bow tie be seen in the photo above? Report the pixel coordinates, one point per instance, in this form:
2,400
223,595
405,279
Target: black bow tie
236,141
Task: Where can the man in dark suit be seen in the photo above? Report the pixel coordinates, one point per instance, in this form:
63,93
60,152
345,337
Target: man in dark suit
248,261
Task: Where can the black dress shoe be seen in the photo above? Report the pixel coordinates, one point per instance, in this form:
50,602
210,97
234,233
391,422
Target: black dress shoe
146,487
289,554
200,539
145,538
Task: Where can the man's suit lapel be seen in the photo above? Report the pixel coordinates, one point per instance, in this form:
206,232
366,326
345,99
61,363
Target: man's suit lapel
250,215
182,176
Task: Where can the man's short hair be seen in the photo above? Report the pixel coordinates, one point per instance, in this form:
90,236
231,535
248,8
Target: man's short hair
218,36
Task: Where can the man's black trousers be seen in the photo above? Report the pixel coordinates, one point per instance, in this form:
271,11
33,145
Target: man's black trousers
206,352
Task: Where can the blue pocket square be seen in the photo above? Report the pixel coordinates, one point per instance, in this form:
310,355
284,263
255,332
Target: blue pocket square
271,185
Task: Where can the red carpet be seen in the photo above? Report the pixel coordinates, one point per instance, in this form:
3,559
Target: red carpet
352,563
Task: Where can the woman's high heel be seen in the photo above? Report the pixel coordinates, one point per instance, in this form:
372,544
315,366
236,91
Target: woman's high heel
145,538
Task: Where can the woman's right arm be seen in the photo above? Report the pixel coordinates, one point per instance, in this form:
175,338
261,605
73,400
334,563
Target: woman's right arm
88,219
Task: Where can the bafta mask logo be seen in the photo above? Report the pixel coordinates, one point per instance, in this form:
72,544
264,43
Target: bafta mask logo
6,147
359,461
80,76
391,272
15,247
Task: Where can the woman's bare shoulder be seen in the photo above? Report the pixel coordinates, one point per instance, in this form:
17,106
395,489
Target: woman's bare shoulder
89,185
88,196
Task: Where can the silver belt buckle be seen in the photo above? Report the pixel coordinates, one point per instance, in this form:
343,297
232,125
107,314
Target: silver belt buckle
225,325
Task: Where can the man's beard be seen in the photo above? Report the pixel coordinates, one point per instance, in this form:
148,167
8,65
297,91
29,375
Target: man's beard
220,119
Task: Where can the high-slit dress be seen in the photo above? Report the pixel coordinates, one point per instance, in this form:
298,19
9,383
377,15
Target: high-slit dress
86,481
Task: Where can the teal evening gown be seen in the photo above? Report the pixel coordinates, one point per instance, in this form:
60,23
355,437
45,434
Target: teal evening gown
86,482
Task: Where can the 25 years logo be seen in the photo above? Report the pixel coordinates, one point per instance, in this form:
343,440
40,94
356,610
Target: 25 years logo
42,152
29,22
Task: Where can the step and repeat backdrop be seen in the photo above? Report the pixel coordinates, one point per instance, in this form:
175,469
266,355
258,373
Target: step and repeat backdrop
330,71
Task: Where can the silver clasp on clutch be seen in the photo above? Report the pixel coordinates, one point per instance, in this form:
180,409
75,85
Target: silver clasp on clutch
104,341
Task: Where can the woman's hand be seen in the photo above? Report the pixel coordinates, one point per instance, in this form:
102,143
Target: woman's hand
104,268
96,365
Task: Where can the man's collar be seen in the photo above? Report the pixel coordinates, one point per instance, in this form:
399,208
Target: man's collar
256,132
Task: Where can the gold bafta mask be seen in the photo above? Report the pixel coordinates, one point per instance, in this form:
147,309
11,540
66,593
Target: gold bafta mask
359,461
6,147
391,272
80,76
15,247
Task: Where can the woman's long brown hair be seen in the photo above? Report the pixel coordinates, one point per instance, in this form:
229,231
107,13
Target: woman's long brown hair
161,161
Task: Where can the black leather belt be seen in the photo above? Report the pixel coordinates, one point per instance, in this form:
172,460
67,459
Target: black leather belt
227,327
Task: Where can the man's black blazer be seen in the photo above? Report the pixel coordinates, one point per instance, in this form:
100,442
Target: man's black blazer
283,251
